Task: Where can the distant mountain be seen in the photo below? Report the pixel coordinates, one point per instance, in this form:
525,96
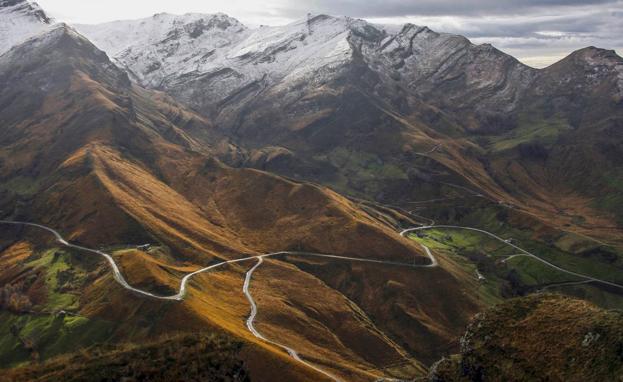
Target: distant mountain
227,60
19,20
210,60
217,65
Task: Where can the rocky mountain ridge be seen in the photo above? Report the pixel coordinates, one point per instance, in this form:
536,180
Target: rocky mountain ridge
220,69
217,65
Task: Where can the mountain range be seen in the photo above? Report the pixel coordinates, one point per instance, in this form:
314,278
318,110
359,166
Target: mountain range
175,143
300,97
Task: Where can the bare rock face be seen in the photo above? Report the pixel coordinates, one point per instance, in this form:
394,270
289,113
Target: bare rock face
451,71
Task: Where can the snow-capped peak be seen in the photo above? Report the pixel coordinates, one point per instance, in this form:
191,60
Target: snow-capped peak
166,47
214,60
20,20
191,30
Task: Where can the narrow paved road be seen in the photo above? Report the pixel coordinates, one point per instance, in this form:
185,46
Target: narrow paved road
432,150
250,324
571,283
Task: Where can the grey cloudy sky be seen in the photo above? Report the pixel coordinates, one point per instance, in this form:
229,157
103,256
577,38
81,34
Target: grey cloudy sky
536,31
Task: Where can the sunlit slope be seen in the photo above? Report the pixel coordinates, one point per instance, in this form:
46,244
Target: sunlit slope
112,166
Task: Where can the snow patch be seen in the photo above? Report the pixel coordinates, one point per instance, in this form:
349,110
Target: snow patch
19,21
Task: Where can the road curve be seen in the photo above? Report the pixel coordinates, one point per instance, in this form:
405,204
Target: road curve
523,252
250,324
115,269
184,282
254,310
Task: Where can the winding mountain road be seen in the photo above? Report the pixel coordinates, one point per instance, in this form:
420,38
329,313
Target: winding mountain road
260,260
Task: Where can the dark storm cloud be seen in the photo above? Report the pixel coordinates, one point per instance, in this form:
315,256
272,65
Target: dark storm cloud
530,29
586,25
395,8
560,19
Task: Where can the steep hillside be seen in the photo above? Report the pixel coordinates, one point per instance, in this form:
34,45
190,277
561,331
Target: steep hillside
199,357
546,337
567,134
394,114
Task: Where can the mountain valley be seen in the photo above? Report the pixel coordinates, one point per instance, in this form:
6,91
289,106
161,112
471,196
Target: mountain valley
331,199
